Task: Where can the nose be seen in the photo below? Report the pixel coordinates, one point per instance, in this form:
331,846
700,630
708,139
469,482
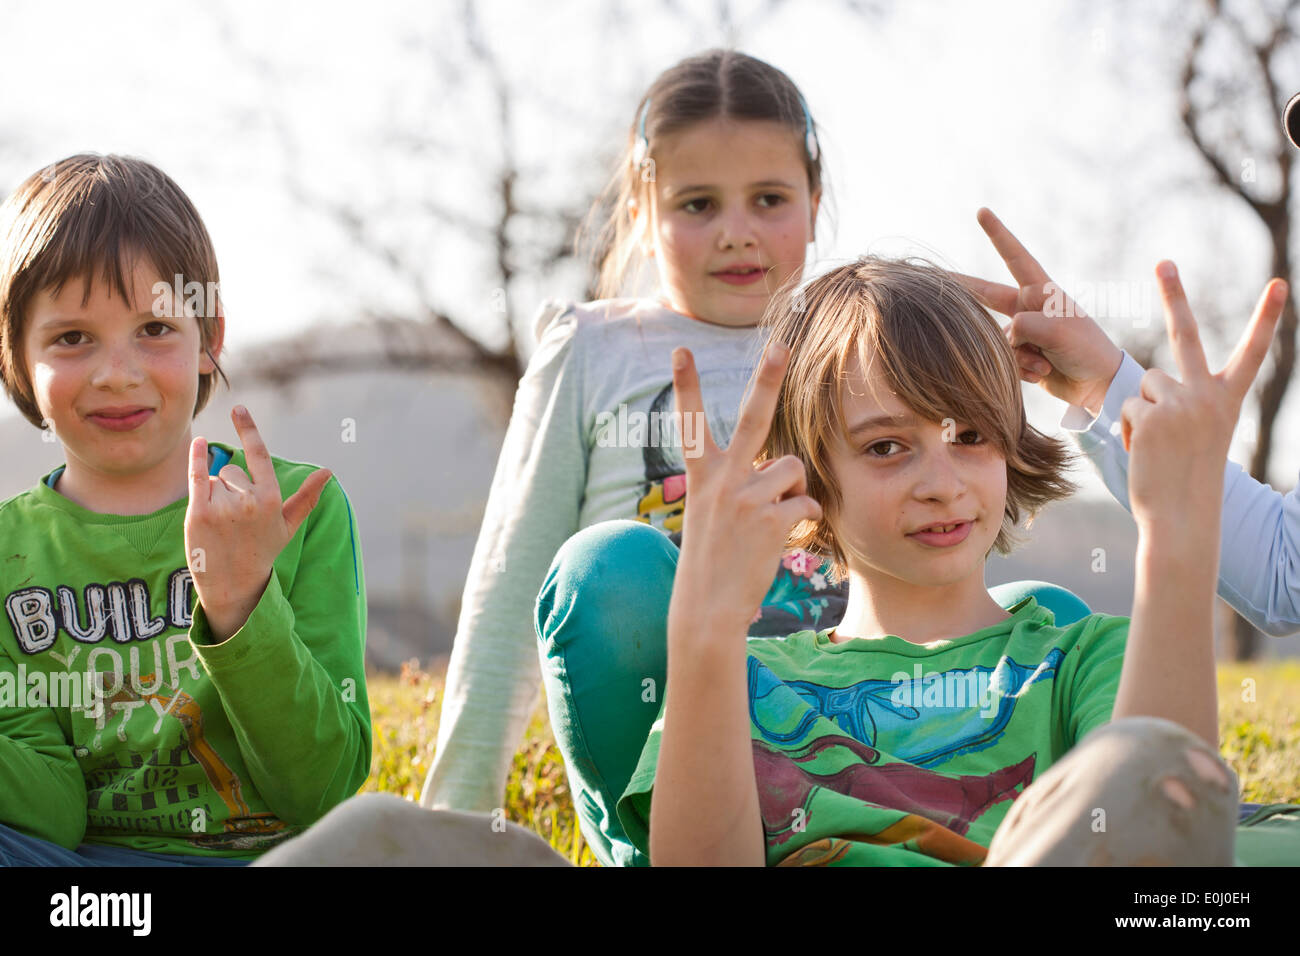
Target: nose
736,229
939,475
117,368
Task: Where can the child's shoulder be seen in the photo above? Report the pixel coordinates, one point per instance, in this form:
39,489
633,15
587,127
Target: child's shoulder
13,514
1092,627
601,318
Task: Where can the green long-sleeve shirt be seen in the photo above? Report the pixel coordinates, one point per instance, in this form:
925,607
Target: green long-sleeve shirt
122,724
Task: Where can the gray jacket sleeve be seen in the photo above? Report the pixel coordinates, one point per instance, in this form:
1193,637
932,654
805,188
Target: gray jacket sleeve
1260,546
532,509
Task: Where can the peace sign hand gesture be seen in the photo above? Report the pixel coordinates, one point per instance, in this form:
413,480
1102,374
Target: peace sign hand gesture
236,526
739,515
1178,433
1054,341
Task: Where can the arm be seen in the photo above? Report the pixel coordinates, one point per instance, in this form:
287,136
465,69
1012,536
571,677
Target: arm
1260,541
705,804
705,809
1058,345
1178,435
292,678
42,790
532,509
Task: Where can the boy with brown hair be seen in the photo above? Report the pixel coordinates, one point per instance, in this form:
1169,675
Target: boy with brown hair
898,444
142,722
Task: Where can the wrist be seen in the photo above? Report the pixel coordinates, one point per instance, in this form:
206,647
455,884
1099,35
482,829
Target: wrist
228,613
1094,398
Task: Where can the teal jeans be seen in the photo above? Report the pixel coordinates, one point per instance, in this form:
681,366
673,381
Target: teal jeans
602,620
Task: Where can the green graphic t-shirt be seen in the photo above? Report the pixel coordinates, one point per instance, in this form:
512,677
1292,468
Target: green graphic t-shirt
122,723
880,752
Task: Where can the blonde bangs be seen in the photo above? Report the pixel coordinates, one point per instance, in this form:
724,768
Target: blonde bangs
939,351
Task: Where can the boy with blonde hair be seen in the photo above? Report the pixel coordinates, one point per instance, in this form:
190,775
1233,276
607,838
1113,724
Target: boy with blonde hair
897,443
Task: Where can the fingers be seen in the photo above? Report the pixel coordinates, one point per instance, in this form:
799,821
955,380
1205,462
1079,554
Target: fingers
1031,361
256,456
801,508
1157,384
236,479
760,405
781,478
1132,412
1243,365
689,401
1034,328
302,501
1023,266
993,295
1181,324
200,487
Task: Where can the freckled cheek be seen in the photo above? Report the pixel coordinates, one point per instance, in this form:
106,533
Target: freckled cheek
180,374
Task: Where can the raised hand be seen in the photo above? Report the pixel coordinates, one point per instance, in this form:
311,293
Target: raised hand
1178,433
738,516
1054,341
236,526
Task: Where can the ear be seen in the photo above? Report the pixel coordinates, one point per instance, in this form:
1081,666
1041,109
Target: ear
206,365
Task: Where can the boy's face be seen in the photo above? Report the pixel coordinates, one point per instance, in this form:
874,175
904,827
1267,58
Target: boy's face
732,217
117,383
901,476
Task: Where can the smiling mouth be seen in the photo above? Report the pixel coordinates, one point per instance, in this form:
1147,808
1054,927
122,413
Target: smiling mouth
943,535
119,421
747,275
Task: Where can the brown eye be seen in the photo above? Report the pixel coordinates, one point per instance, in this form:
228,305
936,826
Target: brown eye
61,338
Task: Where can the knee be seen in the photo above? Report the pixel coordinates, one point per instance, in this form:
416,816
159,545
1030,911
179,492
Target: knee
1184,764
603,571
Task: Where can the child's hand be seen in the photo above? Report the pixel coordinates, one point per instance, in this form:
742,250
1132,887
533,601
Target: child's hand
738,516
1178,433
235,527
1054,341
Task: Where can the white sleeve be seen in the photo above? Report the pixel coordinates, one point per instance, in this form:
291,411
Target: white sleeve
493,679
1260,546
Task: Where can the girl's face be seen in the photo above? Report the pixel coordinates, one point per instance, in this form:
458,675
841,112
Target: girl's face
115,381
731,217
901,476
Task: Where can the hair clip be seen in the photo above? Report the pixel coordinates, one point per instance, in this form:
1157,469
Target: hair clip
809,138
642,148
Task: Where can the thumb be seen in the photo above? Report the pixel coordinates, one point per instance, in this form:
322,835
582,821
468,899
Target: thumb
304,500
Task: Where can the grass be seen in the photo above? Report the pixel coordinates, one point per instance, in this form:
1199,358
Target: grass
1259,734
404,710
1259,728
